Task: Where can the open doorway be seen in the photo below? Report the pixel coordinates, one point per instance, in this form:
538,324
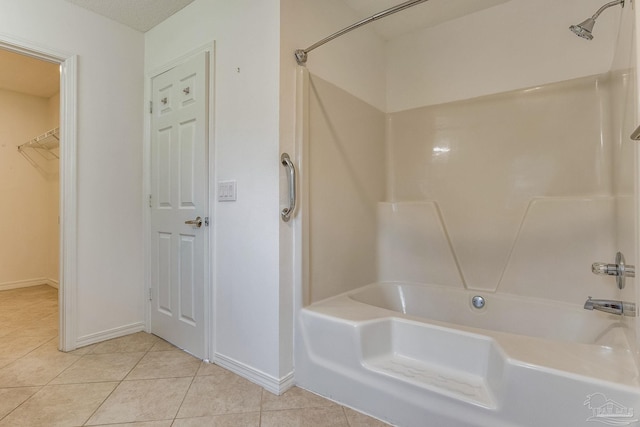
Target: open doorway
30,187
67,292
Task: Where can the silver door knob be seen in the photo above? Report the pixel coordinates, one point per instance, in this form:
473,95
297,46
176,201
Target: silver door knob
197,222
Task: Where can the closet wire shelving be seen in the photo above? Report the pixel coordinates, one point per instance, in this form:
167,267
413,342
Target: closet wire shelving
43,144
40,150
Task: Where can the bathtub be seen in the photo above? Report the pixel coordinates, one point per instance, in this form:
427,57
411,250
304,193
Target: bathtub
421,355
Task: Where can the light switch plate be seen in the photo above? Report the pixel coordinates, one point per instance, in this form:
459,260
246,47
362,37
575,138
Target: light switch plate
227,191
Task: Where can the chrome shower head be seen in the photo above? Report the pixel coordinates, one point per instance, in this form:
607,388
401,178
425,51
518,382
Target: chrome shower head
585,28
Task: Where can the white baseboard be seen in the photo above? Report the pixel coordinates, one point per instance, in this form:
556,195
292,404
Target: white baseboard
109,334
24,283
269,383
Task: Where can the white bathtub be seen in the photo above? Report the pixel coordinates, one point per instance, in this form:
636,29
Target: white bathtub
418,355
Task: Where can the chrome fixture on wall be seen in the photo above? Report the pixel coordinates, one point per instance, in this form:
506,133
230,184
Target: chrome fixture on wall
287,163
585,28
621,308
478,302
620,269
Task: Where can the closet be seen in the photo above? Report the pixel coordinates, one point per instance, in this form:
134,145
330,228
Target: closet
29,170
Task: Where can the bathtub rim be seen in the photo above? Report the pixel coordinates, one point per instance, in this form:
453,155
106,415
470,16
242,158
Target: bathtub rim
520,350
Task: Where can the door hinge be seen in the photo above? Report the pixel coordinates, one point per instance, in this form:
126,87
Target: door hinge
150,204
150,294
150,107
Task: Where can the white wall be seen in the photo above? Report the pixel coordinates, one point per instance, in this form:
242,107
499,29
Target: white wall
245,253
514,45
29,245
110,93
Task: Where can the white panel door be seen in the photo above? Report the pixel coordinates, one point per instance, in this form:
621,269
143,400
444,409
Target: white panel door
179,134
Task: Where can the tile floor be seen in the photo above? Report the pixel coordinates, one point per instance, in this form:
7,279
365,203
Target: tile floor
137,380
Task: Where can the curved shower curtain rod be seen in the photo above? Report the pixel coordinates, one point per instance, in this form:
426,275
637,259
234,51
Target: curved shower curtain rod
301,54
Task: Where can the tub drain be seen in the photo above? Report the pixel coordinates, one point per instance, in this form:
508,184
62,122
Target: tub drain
478,301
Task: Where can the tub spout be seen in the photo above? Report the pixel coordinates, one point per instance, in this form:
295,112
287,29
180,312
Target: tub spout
621,308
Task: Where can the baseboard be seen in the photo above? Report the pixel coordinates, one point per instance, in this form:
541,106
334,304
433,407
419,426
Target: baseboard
109,334
53,283
269,383
23,283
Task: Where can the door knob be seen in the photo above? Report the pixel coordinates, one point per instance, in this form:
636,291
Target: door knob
197,222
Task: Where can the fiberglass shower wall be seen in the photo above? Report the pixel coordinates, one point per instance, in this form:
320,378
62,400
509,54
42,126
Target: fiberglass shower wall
508,154
508,192
346,181
496,154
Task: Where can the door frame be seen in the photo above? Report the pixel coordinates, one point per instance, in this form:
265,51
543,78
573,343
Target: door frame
68,285
209,282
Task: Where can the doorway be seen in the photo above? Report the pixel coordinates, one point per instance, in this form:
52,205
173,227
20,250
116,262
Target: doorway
66,184
29,182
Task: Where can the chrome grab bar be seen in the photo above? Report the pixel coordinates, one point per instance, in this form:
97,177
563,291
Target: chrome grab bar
287,163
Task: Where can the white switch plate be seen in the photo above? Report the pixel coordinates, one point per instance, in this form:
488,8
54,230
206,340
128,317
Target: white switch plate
227,191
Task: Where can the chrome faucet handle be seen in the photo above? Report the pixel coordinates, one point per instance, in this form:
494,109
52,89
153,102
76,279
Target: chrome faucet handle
620,269
630,270
604,268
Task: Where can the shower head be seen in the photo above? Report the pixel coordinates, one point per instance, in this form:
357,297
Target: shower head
585,28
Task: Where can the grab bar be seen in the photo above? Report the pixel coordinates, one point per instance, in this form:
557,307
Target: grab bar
287,212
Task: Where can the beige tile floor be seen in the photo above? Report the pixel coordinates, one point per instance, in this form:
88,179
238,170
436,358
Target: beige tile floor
137,380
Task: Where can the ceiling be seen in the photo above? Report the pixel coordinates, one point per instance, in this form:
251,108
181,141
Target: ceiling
25,74
141,15
31,76
36,77
428,14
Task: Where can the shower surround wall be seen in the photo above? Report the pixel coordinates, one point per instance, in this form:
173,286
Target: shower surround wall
482,176
346,177
510,192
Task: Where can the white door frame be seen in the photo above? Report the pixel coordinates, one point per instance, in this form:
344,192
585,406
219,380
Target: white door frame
68,181
209,330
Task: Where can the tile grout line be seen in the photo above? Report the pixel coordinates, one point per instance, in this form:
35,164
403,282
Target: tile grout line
64,370
40,387
261,402
175,417
84,423
117,385
344,412
25,401
145,346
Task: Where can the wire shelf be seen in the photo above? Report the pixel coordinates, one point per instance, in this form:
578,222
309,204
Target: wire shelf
46,145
